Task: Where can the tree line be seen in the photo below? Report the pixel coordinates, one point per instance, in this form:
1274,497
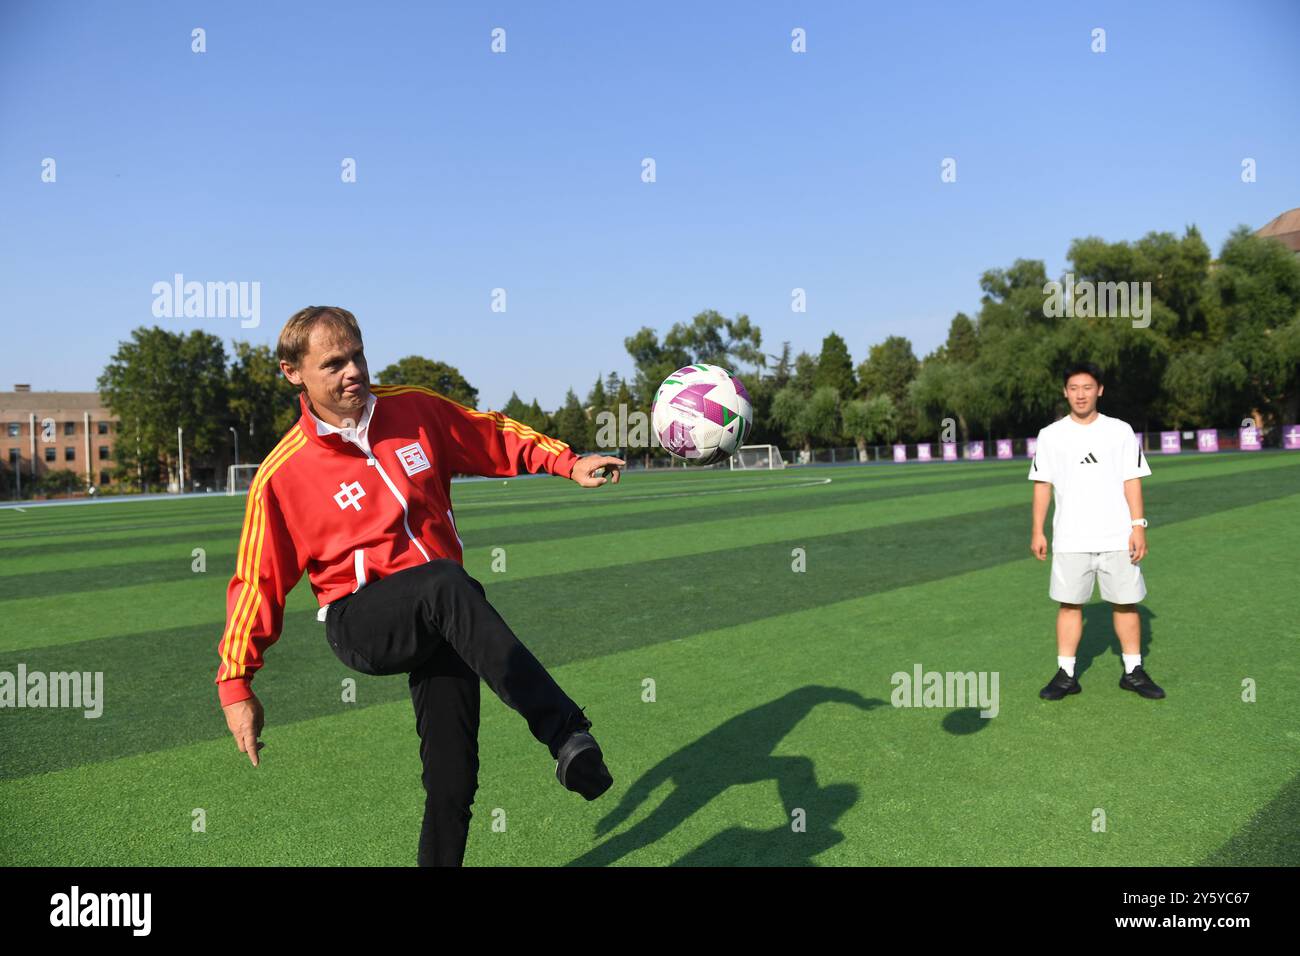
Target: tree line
1218,343
1222,344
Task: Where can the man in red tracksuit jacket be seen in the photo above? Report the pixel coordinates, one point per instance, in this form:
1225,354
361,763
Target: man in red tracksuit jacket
358,495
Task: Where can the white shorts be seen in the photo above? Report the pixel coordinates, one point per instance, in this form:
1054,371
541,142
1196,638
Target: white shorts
1073,574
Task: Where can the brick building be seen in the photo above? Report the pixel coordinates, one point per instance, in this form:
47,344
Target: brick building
1285,229
44,431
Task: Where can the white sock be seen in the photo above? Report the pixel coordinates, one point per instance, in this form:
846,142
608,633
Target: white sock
1066,664
1131,661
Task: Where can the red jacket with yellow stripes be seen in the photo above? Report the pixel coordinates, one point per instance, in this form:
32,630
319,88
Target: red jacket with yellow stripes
318,504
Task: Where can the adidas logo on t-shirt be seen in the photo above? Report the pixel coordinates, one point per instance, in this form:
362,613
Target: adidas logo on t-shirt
1090,460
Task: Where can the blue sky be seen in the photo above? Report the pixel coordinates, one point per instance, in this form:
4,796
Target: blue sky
522,170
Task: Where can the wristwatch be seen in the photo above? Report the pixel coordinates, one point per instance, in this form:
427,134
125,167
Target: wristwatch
1139,522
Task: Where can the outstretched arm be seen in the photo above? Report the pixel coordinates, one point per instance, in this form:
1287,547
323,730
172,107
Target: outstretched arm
1037,539
491,443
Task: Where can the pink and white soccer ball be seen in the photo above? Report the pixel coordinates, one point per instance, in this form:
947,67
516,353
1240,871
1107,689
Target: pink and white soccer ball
702,414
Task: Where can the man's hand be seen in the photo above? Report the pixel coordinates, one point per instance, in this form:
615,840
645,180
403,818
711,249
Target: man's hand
1137,545
583,467
245,720
1038,545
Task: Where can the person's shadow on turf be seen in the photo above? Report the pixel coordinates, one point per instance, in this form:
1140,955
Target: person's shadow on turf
736,752
1099,637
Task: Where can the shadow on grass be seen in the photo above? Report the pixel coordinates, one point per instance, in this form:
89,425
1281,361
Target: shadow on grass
1271,838
964,720
738,752
1099,638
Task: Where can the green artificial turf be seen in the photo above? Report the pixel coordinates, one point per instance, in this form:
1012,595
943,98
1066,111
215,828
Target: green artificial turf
770,737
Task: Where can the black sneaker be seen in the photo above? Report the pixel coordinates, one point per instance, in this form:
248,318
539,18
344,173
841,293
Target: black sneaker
580,766
1140,682
1059,686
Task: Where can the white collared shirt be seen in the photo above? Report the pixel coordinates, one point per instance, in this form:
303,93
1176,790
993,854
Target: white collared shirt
359,436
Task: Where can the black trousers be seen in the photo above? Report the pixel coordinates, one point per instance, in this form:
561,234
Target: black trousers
434,623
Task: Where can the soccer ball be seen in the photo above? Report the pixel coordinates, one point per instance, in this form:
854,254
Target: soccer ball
702,414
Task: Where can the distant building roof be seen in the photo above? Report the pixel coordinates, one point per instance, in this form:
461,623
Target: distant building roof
25,401
1285,228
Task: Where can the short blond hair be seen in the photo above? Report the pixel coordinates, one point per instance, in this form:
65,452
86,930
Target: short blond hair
296,334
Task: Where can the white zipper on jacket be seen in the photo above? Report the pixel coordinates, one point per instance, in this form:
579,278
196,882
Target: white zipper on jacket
359,566
454,531
400,500
358,556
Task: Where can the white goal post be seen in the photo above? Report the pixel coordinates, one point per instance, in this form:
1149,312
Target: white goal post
757,456
239,478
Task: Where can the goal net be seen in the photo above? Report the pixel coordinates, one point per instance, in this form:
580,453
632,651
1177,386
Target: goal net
239,478
757,456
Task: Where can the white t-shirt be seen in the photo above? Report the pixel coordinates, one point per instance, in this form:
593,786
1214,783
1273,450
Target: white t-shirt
1087,466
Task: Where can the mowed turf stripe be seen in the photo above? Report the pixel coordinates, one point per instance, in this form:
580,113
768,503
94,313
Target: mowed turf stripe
486,506
851,480
736,510
30,618
197,601
17,559
71,573
631,605
61,556
30,534
673,502
751,721
744,510
68,617
88,572
668,499
941,786
133,566
21,530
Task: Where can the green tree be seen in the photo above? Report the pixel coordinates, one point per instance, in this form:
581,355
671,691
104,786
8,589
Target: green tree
442,378
653,363
597,398
804,380
707,339
539,420
783,369
1256,296
263,403
962,345
569,424
835,368
867,421
61,481
713,340
806,419
597,402
161,380
888,370
530,414
612,383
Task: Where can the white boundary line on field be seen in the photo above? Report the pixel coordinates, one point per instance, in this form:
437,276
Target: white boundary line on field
110,499
615,498
124,499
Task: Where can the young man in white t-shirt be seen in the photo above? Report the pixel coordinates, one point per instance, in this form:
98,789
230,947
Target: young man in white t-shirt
1095,465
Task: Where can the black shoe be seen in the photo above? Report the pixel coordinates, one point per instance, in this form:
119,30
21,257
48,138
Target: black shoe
1140,682
580,766
1059,686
